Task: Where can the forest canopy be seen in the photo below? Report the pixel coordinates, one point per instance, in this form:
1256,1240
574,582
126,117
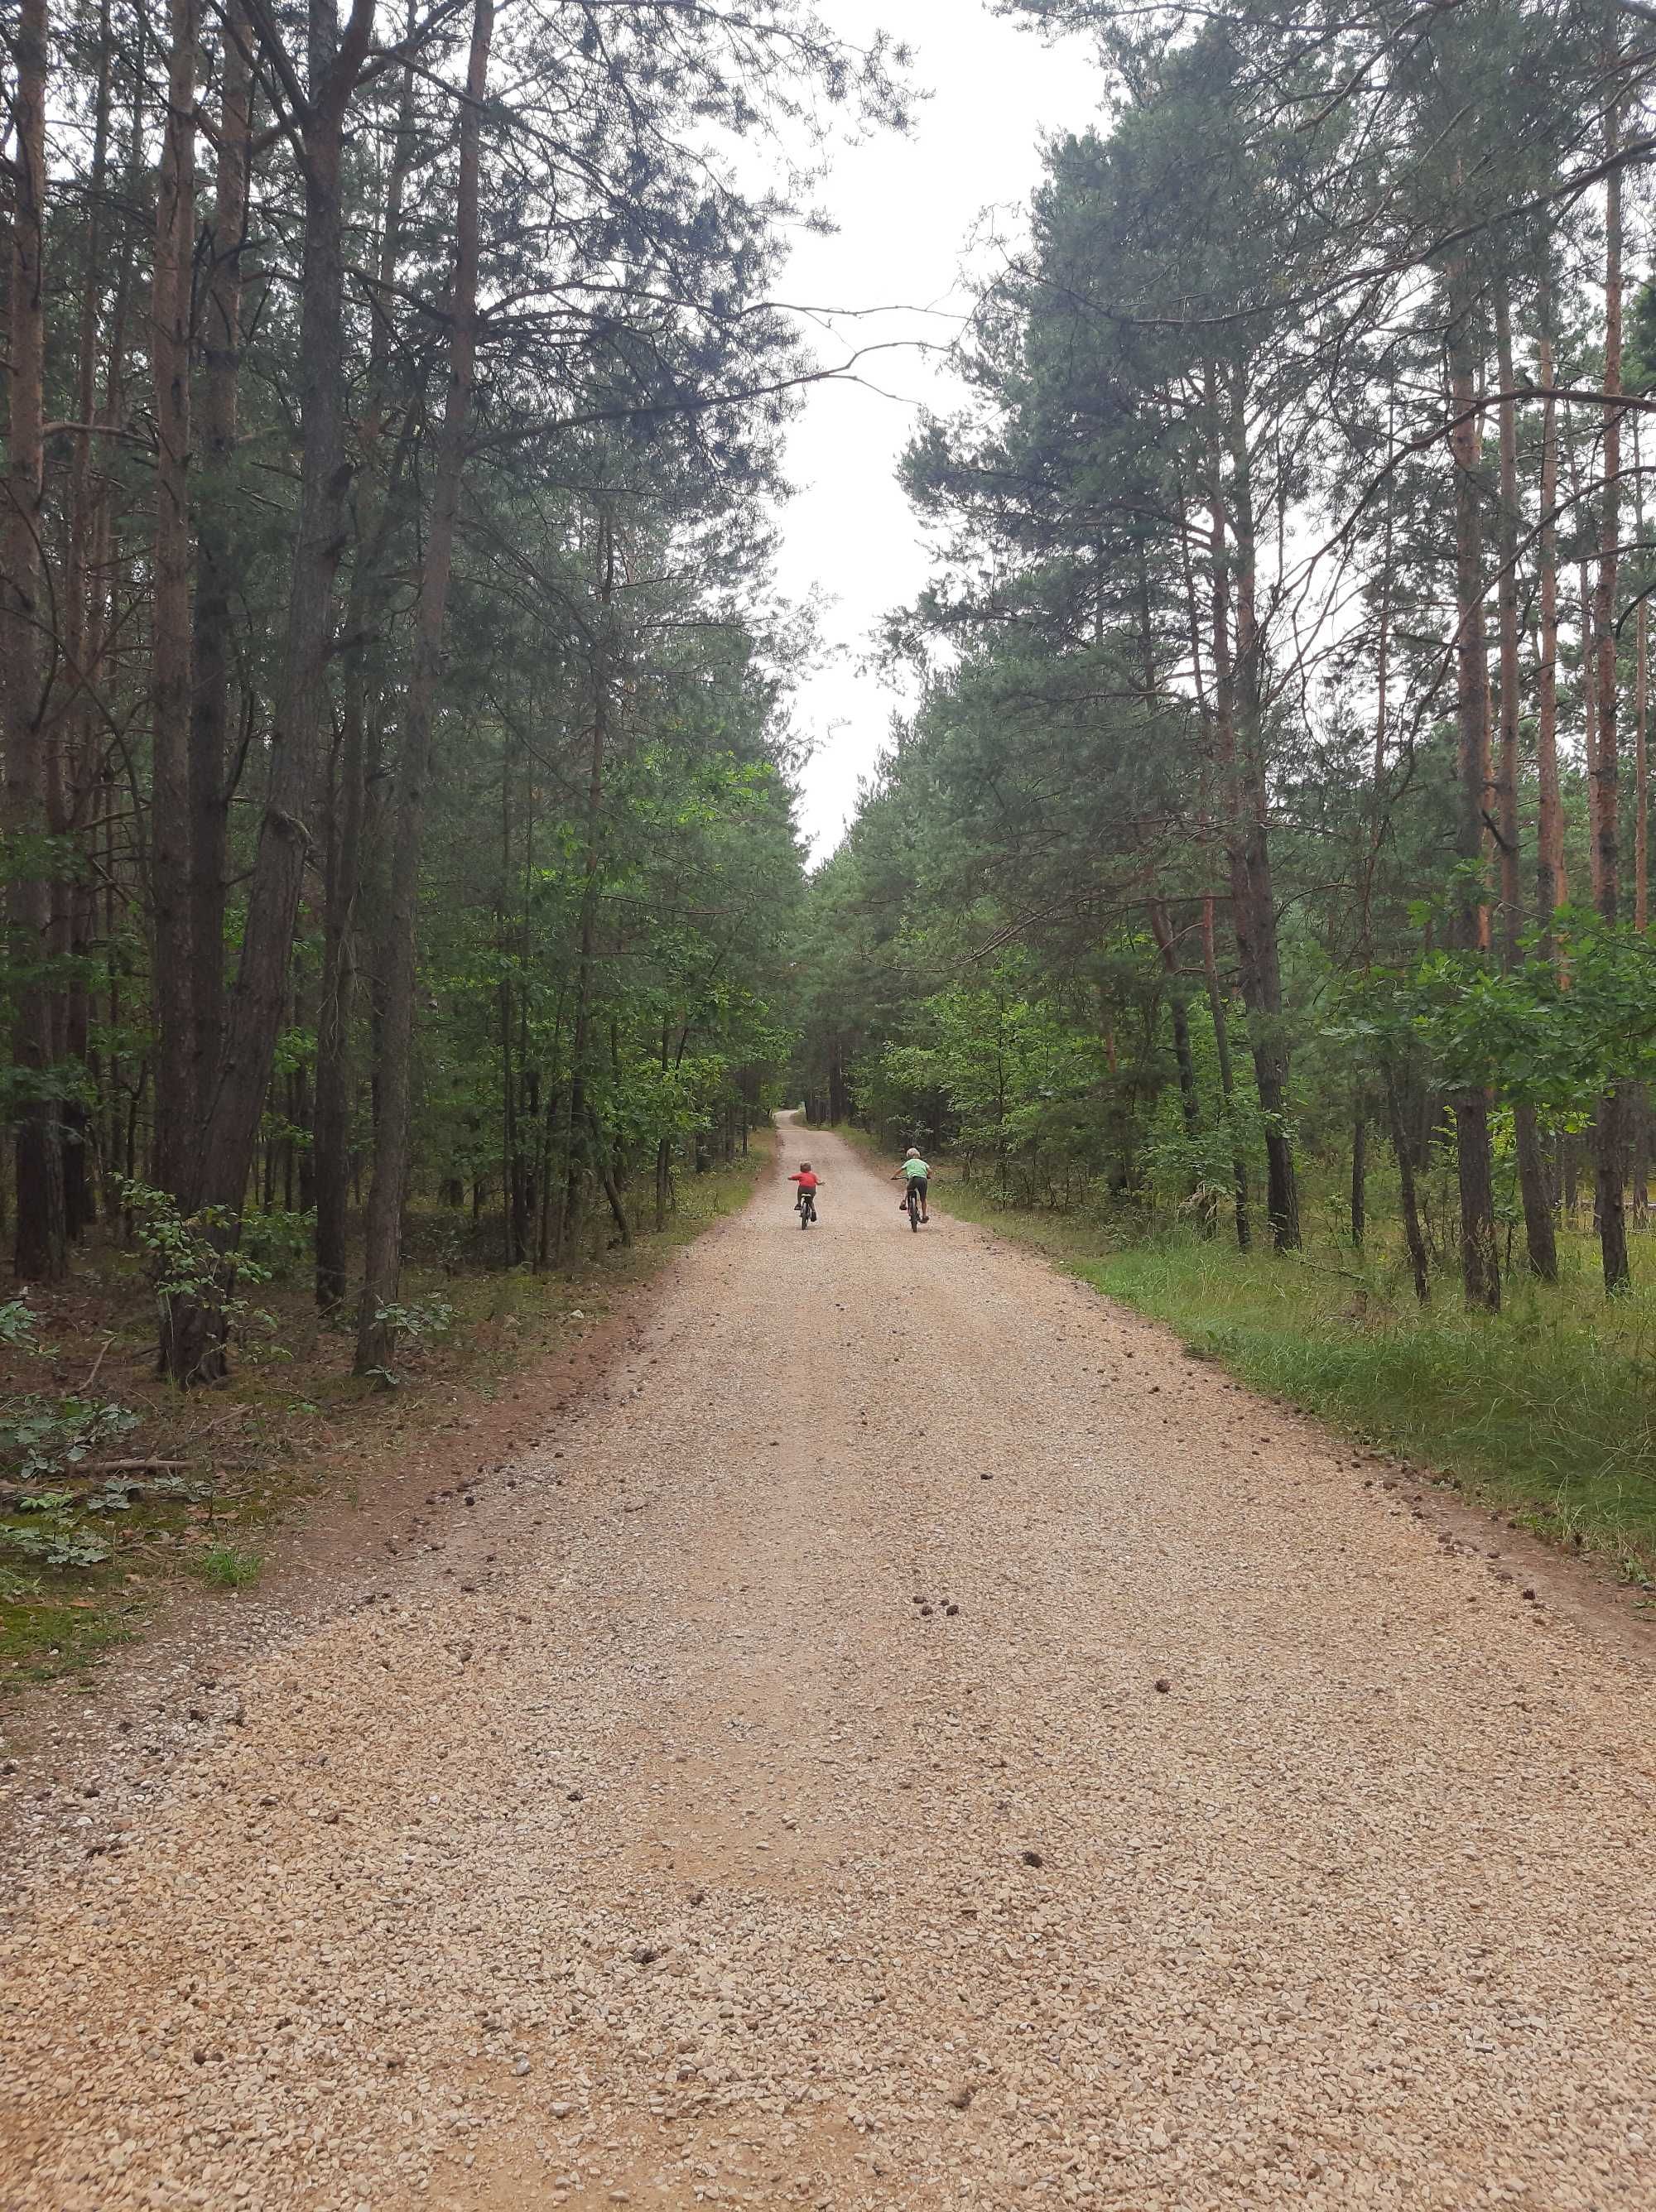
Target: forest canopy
393,697
1279,772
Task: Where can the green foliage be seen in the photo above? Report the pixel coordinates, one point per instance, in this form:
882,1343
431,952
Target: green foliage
412,1326
418,1322
1557,1032
231,1566
195,1256
18,1322
41,1436
58,1538
277,1244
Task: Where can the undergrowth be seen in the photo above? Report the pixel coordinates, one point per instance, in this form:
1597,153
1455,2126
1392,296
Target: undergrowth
82,1549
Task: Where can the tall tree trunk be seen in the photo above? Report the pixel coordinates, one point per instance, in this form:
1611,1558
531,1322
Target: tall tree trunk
84,598
347,817
579,1039
1254,919
215,545
253,1021
40,1249
171,687
1552,886
1480,1258
1377,813
1640,1105
1539,1240
1185,1059
1610,1124
1226,1076
1404,1152
382,1255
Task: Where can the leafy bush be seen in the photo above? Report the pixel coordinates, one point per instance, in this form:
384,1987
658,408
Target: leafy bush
58,1540
43,1436
277,1243
413,1325
190,1255
18,1322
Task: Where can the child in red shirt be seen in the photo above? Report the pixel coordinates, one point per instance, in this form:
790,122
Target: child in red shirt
807,1202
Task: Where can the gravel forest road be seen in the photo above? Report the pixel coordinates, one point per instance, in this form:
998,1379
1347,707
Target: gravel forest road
915,1740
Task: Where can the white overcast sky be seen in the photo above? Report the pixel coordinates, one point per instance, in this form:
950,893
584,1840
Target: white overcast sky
908,209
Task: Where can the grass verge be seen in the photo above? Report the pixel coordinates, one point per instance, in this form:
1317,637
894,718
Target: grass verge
81,1556
1547,1410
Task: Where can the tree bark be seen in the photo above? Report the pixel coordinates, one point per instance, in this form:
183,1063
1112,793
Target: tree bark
84,597
1540,1241
1640,1104
588,939
1227,1077
253,1021
215,546
1610,1125
1404,1152
171,684
1480,1255
348,822
1254,900
382,1255
40,1247
1552,886
1189,1097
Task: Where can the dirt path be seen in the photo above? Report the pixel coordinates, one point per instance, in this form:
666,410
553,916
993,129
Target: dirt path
922,1742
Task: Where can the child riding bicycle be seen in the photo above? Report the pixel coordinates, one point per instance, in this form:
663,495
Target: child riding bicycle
805,1203
914,1172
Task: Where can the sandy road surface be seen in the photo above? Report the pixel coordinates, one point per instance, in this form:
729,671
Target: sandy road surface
670,1837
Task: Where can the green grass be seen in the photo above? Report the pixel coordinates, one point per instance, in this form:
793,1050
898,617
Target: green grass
1547,1410
46,1634
231,1566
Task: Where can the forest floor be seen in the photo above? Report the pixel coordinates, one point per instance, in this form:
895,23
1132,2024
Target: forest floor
908,1736
212,1490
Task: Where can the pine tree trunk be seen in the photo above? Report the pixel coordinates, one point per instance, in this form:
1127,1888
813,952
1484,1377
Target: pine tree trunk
215,551
1552,886
1185,1059
84,595
383,1254
1254,901
1226,1076
347,817
579,1039
1640,1107
1480,1257
1610,1125
171,687
41,1249
253,1020
1403,1151
1539,1239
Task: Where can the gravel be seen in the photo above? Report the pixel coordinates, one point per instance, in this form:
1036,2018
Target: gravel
748,1806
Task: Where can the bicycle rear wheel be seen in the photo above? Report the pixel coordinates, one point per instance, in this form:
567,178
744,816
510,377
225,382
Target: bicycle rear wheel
913,1203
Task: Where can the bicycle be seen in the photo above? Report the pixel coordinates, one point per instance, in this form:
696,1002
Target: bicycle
806,1206
911,1201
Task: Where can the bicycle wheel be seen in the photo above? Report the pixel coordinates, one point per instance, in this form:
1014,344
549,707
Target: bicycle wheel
914,1209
